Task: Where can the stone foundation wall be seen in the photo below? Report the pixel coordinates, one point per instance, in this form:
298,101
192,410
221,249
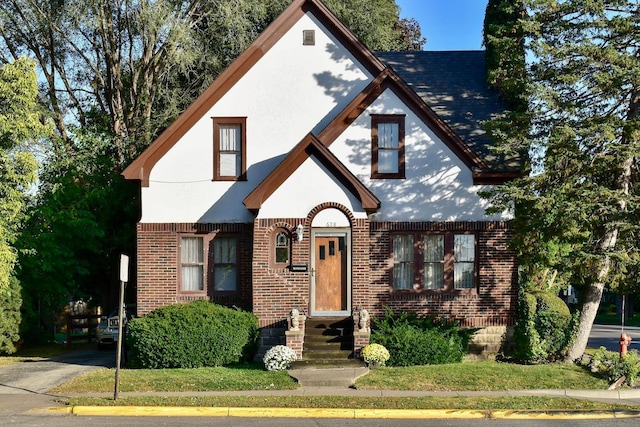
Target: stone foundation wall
489,342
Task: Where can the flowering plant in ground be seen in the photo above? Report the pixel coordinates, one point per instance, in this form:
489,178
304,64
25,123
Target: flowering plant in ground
279,358
374,354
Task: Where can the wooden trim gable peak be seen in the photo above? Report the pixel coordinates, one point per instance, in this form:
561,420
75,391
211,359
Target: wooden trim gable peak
140,168
311,146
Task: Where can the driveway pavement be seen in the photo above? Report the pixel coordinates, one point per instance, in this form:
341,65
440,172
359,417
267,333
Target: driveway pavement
40,376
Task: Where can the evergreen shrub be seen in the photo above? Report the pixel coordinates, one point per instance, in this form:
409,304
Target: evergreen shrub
192,335
419,340
544,328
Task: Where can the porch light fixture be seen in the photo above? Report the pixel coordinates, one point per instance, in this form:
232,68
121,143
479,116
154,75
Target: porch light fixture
299,232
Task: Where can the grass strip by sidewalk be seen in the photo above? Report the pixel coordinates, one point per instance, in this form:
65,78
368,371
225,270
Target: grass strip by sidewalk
477,403
482,375
470,376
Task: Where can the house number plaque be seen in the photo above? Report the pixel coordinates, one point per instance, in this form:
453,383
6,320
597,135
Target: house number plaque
299,267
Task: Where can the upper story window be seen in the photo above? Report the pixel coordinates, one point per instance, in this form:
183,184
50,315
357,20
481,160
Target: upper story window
229,148
443,261
387,146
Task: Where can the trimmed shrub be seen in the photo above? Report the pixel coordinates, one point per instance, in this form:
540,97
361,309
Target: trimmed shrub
413,340
544,329
192,335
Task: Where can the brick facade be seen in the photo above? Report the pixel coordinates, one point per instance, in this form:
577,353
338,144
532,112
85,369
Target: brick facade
271,291
158,265
492,303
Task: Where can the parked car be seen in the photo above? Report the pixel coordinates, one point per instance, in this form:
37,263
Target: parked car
107,329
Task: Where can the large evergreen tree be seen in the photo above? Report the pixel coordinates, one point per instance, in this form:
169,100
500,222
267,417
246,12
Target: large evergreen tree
581,197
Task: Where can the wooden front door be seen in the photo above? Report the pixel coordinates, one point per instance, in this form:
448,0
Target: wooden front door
330,274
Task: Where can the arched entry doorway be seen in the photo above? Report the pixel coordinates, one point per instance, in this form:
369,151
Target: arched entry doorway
330,264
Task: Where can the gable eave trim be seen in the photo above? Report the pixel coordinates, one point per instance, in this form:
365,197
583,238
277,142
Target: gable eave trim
310,145
140,168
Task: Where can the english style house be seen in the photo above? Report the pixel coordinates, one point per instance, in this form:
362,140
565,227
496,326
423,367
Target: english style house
317,175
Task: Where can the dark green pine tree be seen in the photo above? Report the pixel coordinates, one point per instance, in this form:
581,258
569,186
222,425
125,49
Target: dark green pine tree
583,140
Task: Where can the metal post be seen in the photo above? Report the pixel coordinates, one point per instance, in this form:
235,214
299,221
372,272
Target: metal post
119,346
124,277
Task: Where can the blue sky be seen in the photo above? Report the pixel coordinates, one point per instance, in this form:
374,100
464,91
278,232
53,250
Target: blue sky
447,24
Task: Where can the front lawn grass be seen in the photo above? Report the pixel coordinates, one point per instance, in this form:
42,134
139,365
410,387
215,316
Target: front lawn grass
250,376
481,375
470,376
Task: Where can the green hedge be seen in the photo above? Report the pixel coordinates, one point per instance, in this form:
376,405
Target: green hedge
192,335
544,327
414,340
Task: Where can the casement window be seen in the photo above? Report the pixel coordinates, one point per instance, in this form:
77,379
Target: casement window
208,265
433,262
387,146
281,247
229,148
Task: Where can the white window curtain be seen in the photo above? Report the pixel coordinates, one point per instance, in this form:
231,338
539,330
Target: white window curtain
388,147
230,150
403,261
434,261
192,256
225,265
464,261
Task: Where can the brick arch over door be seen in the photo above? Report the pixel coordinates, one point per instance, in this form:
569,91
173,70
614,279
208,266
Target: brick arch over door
360,249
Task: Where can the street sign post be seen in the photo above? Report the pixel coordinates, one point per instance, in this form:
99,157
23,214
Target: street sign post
124,277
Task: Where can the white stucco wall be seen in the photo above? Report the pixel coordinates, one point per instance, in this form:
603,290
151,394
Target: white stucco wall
283,100
438,185
309,186
292,90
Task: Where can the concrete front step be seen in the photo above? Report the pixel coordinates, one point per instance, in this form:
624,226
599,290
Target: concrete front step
328,376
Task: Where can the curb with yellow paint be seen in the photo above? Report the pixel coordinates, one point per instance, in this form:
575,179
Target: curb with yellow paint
185,411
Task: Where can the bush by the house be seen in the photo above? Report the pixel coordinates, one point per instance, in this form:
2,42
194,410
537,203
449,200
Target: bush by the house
375,355
279,358
419,340
544,327
192,335
612,367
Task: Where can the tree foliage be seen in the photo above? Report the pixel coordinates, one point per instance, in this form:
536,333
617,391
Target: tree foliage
20,123
581,198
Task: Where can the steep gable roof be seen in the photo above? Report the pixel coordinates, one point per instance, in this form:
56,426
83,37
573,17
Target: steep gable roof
454,84
141,167
311,146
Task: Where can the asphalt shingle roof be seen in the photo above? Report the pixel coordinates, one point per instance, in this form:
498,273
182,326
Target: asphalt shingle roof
454,85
